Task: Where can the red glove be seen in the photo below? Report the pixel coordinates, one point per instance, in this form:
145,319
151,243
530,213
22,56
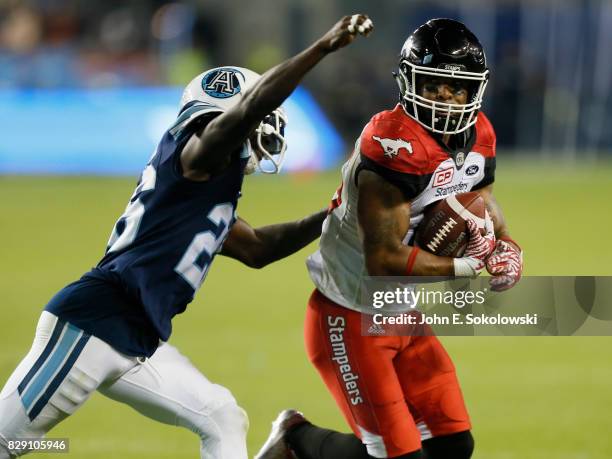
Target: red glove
505,264
478,249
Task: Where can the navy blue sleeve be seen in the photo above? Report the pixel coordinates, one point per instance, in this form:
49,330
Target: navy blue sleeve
191,119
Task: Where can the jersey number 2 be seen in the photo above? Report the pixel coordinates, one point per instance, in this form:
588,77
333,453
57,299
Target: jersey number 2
195,262
133,213
205,243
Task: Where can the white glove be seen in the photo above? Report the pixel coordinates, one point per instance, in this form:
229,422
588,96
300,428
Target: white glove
478,249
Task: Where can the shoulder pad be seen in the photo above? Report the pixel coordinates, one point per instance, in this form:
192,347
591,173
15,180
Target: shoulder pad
486,139
189,114
392,143
183,127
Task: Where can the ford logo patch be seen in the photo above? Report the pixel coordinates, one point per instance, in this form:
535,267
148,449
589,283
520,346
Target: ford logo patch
472,170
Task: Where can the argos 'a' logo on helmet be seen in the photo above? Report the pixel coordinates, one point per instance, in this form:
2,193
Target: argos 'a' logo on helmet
222,83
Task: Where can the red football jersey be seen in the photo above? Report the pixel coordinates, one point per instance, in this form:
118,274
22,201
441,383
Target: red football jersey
403,152
394,142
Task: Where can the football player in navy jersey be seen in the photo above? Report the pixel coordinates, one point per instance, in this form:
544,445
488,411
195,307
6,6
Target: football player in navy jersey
400,394
108,330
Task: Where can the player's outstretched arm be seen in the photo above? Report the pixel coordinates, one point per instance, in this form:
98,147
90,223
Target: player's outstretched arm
258,247
228,131
384,219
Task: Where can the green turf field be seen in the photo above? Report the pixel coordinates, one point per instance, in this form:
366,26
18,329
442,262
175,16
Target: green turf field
529,397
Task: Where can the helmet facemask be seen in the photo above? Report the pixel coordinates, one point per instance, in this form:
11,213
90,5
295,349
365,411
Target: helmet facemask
440,117
268,151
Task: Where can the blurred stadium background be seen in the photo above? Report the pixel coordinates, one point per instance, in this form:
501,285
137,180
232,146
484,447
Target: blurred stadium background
86,88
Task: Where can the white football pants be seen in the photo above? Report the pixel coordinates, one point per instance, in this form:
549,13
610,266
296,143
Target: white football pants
65,366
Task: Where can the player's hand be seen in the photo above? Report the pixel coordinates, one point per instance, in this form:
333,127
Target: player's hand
478,249
480,246
505,264
345,31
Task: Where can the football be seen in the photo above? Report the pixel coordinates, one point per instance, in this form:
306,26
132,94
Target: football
443,230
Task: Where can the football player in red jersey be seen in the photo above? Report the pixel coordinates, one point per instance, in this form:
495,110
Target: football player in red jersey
400,394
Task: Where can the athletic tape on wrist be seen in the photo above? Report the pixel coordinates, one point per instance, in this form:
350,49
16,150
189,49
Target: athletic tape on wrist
463,267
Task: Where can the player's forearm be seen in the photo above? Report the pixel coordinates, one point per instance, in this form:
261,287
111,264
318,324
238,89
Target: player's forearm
281,240
495,212
226,133
408,261
279,82
499,222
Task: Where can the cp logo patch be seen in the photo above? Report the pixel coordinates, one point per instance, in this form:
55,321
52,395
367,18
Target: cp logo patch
222,83
444,176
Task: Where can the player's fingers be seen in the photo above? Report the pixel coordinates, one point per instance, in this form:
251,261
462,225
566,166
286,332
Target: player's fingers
365,28
494,264
504,247
473,229
501,283
360,23
499,280
353,23
498,262
496,269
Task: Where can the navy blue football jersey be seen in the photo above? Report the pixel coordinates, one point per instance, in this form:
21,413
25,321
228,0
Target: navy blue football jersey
160,249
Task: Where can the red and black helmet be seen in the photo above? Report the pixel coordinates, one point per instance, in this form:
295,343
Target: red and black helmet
442,48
